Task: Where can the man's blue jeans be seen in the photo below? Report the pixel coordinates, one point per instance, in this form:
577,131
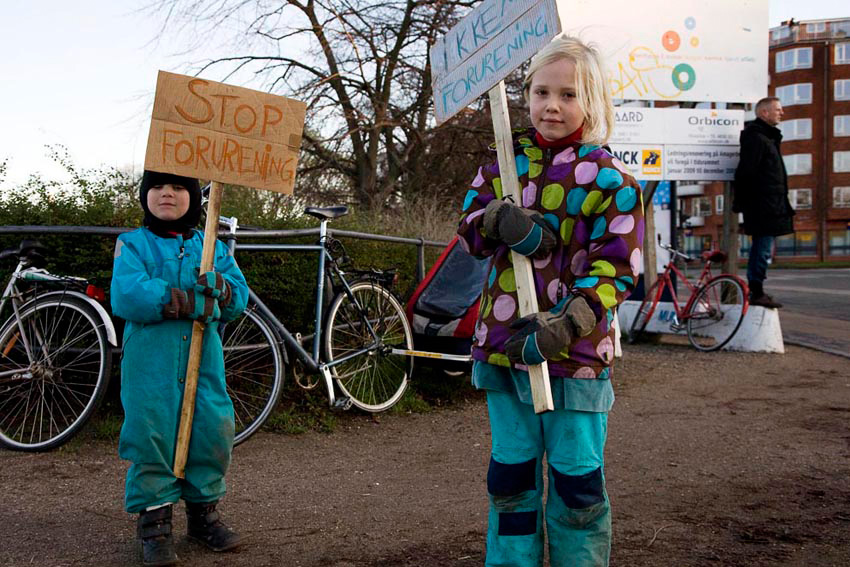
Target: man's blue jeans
759,255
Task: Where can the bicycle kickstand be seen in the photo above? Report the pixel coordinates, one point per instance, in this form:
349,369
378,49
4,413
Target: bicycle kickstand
342,403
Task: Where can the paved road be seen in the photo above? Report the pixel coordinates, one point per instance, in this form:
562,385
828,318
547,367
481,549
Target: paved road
816,308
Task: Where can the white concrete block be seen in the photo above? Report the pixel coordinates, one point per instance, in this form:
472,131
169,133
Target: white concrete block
760,330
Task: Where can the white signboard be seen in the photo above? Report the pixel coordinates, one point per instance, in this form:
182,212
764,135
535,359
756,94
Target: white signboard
690,50
701,163
646,161
678,144
677,126
493,40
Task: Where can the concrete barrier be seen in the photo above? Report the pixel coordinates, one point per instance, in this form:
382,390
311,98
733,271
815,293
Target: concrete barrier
760,330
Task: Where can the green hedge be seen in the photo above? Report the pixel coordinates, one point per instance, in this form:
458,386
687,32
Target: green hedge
284,280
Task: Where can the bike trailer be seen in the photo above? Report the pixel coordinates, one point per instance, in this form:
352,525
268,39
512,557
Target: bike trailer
444,307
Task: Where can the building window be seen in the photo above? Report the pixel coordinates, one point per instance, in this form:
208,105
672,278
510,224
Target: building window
816,27
696,244
800,198
781,33
839,242
841,125
799,129
840,29
841,197
798,93
800,243
702,207
842,53
718,203
840,162
798,164
800,58
842,89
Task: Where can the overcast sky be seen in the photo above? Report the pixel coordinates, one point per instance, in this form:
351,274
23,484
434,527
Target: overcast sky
82,74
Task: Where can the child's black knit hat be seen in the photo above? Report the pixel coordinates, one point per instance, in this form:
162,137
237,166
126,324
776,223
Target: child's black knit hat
185,223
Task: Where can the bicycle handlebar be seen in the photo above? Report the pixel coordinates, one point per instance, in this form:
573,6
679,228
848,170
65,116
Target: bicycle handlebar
675,252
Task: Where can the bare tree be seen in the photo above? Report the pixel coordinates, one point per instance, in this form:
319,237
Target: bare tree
362,68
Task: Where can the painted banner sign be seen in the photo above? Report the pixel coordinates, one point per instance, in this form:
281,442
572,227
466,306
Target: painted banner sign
689,50
494,39
219,132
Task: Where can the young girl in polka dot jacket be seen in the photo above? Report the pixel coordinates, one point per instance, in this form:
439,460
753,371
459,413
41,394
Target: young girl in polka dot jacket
581,223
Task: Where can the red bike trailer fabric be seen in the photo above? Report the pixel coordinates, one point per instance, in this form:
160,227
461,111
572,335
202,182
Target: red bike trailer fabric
444,306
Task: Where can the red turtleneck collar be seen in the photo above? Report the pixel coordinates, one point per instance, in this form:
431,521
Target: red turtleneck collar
558,144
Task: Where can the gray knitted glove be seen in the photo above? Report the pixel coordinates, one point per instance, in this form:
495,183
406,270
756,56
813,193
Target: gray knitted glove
524,230
542,336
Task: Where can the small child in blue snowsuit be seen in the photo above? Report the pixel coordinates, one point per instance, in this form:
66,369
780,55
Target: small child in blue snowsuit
158,291
580,221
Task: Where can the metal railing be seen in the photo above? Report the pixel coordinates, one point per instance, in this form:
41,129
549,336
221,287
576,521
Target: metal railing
420,243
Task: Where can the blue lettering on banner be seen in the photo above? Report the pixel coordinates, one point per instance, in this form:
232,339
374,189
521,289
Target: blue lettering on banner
492,62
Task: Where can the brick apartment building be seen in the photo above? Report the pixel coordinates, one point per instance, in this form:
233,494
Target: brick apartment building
809,66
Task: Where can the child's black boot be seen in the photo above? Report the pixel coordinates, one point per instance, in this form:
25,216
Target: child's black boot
154,527
205,526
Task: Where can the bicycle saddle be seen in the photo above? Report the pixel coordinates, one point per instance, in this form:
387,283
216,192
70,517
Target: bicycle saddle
714,256
327,213
31,250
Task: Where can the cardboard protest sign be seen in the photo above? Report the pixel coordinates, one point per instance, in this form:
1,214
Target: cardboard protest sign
211,130
472,58
226,134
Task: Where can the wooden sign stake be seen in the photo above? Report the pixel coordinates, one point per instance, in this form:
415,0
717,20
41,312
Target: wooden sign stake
187,413
541,392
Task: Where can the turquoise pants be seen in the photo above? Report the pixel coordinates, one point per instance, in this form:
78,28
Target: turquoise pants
578,516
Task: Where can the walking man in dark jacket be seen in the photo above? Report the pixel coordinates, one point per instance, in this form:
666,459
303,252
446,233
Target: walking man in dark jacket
761,193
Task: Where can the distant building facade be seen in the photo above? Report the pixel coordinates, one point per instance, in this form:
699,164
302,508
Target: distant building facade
809,66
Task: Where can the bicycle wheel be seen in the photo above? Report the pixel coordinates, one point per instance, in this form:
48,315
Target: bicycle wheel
47,397
253,367
375,380
645,311
716,313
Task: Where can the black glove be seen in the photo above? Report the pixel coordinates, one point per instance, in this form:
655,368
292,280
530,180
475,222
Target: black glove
543,336
191,305
524,230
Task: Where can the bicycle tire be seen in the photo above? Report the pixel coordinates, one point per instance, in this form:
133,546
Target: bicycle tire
52,397
253,368
645,311
716,313
374,381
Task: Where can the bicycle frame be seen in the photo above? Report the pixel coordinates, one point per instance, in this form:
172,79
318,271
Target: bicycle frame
312,361
667,281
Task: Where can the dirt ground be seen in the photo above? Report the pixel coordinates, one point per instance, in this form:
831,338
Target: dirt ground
718,459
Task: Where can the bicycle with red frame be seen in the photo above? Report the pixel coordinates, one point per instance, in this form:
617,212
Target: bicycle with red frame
714,311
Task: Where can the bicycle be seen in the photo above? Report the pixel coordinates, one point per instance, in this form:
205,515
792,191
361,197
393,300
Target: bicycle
54,356
712,314
358,347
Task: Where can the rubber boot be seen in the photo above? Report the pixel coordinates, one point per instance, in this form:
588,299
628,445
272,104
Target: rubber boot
205,527
154,529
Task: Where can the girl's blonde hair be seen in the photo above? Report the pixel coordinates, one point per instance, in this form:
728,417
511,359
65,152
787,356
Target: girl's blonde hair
592,89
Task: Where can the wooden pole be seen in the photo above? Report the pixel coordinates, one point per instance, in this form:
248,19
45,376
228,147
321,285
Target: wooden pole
541,392
187,413
729,242
650,270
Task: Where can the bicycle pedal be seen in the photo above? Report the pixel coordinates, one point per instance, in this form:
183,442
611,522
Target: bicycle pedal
676,327
341,404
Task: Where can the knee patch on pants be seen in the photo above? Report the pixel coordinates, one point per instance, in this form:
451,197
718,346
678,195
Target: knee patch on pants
583,495
510,487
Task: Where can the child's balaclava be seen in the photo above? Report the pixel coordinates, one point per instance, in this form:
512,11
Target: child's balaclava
185,223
